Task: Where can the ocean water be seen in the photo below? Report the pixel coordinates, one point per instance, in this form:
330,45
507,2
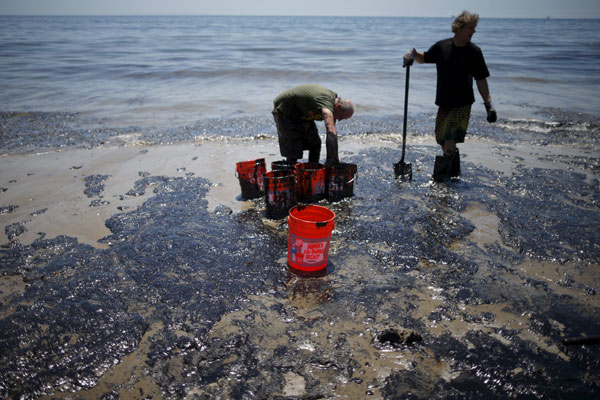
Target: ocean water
169,72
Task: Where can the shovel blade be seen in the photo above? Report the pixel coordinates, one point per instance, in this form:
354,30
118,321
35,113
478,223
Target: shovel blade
403,171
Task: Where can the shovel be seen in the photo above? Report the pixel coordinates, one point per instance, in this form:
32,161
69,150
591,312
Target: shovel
401,168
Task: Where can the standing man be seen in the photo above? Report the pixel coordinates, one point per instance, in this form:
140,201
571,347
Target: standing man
458,61
295,112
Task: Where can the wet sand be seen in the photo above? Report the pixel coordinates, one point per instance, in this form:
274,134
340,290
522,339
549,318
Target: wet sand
48,190
54,181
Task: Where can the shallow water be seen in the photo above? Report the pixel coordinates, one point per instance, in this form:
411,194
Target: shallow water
188,302
166,71
32,132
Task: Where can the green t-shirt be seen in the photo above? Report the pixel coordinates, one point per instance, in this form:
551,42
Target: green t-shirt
305,102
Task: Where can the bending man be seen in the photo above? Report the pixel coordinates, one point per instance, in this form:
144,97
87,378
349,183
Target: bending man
295,112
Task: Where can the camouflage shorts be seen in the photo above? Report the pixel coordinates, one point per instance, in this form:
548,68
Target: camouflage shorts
452,124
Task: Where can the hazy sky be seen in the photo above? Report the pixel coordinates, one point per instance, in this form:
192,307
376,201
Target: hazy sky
424,8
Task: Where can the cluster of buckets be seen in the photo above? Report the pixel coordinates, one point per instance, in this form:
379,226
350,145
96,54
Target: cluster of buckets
288,184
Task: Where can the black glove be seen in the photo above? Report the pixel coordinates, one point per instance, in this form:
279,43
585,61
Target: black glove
332,148
491,112
409,57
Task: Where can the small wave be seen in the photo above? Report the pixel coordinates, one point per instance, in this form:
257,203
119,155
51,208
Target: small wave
215,74
531,79
563,127
531,125
336,50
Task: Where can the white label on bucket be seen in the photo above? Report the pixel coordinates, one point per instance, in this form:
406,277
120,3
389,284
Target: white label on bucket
308,252
260,181
255,178
279,199
334,187
319,188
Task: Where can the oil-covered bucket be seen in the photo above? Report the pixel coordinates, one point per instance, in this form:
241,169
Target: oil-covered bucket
280,193
283,165
340,181
250,174
310,182
309,237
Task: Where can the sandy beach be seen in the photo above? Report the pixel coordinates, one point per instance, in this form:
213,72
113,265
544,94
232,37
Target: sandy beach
55,181
48,192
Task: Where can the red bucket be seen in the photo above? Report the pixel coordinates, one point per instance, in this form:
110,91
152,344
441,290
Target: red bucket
340,181
310,182
280,193
309,236
250,174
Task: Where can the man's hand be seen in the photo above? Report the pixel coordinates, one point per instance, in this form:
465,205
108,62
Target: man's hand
409,57
491,112
332,147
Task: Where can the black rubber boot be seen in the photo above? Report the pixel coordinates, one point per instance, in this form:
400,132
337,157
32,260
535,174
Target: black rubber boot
455,164
441,168
446,167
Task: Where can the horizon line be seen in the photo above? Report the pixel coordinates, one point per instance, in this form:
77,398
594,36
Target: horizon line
279,15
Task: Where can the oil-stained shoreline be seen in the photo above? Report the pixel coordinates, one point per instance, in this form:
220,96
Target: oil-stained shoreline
456,290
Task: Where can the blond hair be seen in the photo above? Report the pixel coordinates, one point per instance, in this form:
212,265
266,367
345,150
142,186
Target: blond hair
463,19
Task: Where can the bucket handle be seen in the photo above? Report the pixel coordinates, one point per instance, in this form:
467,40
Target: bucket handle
354,178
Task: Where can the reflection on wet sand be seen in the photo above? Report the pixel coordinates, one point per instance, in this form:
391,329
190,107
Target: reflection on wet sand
180,290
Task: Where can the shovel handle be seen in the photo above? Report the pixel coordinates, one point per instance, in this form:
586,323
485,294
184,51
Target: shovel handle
405,113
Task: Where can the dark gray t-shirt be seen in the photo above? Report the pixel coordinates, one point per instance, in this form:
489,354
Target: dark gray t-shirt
456,68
